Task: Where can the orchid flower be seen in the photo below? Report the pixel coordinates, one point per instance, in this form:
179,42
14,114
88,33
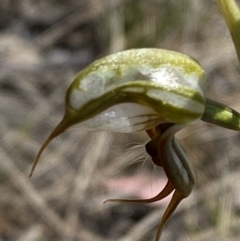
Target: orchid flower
153,90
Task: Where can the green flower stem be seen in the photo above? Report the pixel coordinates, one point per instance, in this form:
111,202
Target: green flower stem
221,115
231,13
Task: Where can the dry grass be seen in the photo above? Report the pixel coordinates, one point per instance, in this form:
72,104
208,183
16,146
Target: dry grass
43,44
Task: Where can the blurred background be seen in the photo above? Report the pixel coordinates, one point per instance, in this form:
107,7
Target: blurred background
43,45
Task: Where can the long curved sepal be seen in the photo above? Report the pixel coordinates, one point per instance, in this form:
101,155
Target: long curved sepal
59,129
176,199
164,193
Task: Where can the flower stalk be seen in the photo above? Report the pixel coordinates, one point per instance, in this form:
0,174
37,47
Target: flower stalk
231,14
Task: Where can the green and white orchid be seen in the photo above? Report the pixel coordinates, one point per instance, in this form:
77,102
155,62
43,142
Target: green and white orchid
152,90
